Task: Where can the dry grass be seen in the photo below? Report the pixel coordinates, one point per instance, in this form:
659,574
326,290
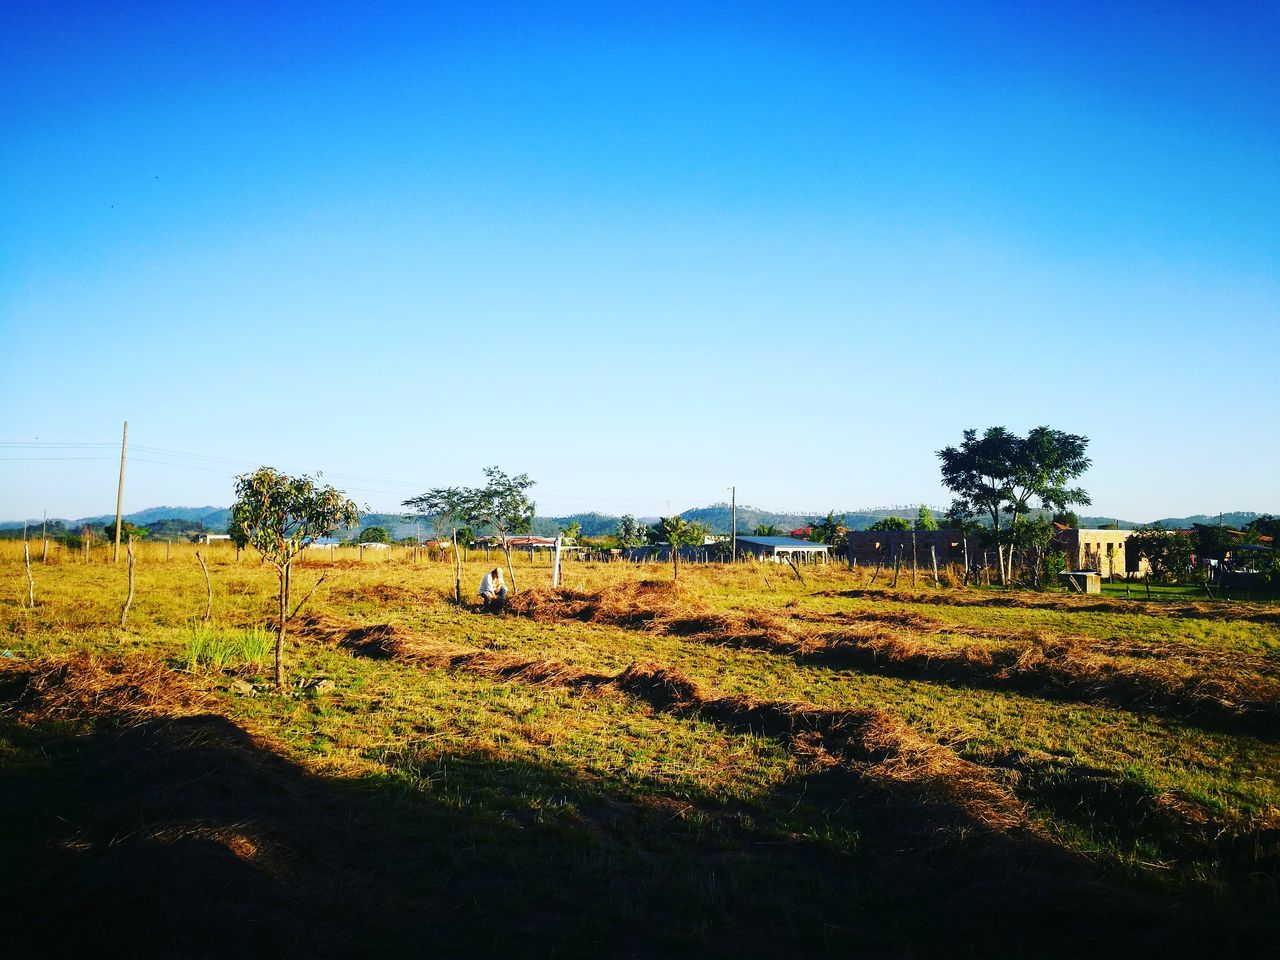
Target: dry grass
85,686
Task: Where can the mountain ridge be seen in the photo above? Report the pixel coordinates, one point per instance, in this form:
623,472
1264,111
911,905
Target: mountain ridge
213,519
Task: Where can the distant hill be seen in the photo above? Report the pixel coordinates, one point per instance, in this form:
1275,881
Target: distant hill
175,520
1236,519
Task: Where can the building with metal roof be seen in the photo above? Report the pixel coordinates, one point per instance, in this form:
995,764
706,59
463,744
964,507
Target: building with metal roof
782,548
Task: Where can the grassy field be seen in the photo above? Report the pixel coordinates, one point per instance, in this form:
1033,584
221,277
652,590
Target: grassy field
742,765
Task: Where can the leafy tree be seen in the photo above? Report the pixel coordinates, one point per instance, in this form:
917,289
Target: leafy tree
680,532
465,536
127,530
890,523
630,532
572,532
280,516
1168,552
767,530
829,529
998,473
925,520
374,535
443,507
501,505
1068,518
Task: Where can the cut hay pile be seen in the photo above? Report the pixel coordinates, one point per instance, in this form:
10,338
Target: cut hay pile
79,687
1240,690
869,742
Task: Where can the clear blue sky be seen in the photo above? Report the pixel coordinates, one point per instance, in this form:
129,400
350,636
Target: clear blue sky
641,253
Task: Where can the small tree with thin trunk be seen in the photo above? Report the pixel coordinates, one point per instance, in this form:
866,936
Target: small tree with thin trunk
502,505
280,516
681,533
445,508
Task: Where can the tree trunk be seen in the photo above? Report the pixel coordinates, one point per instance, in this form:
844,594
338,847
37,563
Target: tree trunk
675,564
511,571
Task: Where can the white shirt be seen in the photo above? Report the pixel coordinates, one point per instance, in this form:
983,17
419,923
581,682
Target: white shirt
490,584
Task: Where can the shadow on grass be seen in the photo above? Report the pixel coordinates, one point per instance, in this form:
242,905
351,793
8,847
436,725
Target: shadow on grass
188,837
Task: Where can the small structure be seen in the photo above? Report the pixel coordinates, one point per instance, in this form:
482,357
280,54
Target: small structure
211,537
1081,581
1102,551
779,549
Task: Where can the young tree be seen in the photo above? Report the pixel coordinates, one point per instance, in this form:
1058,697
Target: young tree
572,532
924,519
374,535
280,516
681,533
501,505
998,473
447,508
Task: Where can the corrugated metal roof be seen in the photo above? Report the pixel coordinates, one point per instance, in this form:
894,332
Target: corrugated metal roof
781,542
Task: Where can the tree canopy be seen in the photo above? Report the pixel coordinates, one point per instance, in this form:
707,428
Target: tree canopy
997,474
502,505
891,523
630,532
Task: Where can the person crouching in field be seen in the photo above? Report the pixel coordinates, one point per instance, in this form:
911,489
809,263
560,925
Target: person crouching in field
493,592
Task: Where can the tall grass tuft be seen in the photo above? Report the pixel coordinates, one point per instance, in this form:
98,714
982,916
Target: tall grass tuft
206,649
256,646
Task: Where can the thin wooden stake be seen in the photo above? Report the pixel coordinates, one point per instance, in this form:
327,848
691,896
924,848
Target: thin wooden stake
897,563
933,553
124,613
794,568
31,584
208,589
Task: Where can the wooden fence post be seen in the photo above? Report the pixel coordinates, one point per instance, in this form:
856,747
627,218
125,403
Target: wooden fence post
128,601
933,553
31,584
208,588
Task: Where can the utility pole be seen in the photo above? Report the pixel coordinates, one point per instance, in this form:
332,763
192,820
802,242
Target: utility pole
733,525
124,443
